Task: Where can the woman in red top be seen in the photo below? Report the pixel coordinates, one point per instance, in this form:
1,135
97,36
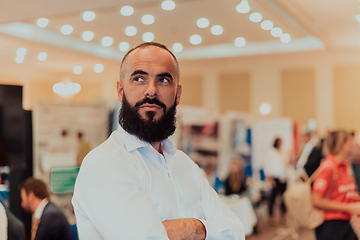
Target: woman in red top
334,190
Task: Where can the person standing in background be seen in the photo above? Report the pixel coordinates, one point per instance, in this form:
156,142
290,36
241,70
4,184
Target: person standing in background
49,221
83,148
334,190
275,173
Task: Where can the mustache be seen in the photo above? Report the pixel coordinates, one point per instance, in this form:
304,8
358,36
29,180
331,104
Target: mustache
150,101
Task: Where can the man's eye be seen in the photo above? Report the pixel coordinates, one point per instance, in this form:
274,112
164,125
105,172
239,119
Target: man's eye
164,80
139,79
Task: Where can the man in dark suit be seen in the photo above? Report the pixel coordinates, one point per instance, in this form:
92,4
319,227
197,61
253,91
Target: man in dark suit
49,221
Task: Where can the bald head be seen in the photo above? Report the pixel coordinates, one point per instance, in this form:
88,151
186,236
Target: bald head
145,45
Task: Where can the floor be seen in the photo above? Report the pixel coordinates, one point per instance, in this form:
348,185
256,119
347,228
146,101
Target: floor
270,230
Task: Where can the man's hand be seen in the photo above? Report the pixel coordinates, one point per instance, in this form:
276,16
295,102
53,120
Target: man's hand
185,229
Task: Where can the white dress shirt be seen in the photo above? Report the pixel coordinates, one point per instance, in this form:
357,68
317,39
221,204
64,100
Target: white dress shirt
3,223
40,209
275,164
125,189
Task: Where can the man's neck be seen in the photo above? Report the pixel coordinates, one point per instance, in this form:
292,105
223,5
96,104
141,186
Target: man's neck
157,146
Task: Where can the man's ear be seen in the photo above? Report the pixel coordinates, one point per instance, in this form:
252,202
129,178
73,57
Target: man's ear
120,91
178,94
31,195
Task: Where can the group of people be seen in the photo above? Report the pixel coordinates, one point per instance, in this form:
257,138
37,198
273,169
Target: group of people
334,188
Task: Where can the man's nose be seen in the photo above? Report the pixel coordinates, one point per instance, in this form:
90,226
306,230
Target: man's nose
151,90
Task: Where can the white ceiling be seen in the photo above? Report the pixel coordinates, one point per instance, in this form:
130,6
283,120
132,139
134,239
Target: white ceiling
313,25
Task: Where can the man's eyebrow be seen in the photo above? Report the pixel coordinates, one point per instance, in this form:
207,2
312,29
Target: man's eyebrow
165,74
139,72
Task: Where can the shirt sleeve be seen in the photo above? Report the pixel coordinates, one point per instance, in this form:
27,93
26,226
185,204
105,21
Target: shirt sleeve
323,181
109,198
219,221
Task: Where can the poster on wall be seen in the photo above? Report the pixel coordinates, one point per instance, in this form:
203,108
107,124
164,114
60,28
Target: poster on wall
63,134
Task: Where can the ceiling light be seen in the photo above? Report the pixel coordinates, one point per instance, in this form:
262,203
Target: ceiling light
357,16
21,51
42,22
243,7
195,39
107,41
148,19
240,42
77,69
19,59
168,5
177,47
66,89
98,68
265,108
276,32
67,29
127,10
88,16
255,17
148,37
285,38
124,46
203,22
88,35
130,31
267,25
42,56
217,30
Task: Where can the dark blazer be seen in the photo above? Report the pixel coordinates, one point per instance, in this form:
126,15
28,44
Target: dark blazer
53,225
16,228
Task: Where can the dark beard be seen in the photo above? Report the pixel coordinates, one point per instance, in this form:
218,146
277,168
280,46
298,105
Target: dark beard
147,130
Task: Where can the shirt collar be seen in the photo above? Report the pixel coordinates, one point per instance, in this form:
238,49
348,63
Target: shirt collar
40,209
132,142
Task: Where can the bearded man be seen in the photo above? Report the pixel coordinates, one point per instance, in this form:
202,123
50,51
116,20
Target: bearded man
137,185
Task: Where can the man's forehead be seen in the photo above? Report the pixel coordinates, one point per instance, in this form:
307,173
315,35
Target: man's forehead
150,54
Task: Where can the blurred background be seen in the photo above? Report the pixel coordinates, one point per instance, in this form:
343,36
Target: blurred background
251,70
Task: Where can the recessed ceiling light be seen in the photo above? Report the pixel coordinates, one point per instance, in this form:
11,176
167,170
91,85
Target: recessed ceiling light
285,38
148,19
276,32
177,47
168,5
107,41
195,39
88,16
19,59
124,46
88,35
127,10
77,69
255,17
42,22
98,68
267,25
265,108
240,42
130,31
67,29
203,22
357,16
42,56
217,30
243,7
21,51
148,37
